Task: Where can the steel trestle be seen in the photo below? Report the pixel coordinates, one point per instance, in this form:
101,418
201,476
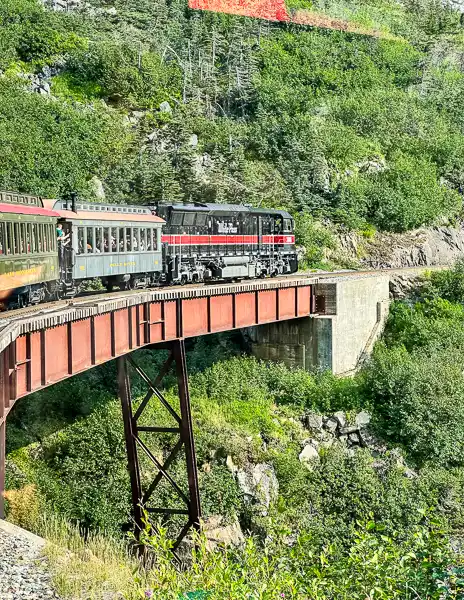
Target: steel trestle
141,494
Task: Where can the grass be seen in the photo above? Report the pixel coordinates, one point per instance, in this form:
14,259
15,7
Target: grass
92,568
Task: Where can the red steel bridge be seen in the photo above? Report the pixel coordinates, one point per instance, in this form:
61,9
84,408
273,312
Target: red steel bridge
49,343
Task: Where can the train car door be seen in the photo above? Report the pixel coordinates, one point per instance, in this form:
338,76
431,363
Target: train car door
66,250
260,234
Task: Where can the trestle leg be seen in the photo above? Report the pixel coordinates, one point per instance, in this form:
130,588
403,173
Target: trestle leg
142,494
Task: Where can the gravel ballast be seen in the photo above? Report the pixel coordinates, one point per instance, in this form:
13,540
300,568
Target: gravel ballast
23,569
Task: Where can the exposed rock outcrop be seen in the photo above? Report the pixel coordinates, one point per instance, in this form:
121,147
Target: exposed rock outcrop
419,248
259,486
218,533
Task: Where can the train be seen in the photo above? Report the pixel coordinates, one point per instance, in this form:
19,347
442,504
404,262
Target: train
50,249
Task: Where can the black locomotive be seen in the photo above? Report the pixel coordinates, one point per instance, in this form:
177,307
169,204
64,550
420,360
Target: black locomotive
203,242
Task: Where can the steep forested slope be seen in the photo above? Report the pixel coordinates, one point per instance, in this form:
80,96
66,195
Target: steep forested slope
158,101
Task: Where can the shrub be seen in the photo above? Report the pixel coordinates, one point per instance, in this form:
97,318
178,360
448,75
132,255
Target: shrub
314,238
419,401
50,147
24,506
448,284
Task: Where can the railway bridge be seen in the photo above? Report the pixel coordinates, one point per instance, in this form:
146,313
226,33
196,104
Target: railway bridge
308,320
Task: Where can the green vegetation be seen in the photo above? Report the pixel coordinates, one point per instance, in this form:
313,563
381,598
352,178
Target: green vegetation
377,566
362,132
355,129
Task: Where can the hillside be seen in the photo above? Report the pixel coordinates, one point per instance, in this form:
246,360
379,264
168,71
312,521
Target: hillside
324,488
147,99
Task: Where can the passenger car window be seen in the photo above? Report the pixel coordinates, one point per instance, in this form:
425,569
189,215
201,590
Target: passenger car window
9,237
143,239
128,239
80,240
88,241
17,248
114,239
98,240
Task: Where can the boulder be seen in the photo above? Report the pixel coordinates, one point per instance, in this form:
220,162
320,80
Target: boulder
309,457
259,485
339,416
193,140
230,464
409,473
313,421
219,534
331,425
362,419
353,438
349,429
165,107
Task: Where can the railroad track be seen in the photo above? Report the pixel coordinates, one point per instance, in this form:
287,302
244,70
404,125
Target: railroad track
91,298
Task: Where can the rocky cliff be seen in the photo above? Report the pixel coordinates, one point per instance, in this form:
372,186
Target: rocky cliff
442,245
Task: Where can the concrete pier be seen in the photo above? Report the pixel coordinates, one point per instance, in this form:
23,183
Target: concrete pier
350,316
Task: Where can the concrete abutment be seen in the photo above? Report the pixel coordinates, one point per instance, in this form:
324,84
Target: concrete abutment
350,316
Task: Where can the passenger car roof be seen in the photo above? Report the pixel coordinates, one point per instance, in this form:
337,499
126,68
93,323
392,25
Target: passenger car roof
27,209
89,211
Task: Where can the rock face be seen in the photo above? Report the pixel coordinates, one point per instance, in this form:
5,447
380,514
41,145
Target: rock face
259,485
441,245
62,5
219,534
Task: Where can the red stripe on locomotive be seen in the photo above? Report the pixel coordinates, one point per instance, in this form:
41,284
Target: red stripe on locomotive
223,240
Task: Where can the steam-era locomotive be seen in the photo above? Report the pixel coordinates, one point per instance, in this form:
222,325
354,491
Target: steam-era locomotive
49,248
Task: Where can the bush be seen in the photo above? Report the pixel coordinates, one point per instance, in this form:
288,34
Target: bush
448,284
419,402
314,238
24,506
50,147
